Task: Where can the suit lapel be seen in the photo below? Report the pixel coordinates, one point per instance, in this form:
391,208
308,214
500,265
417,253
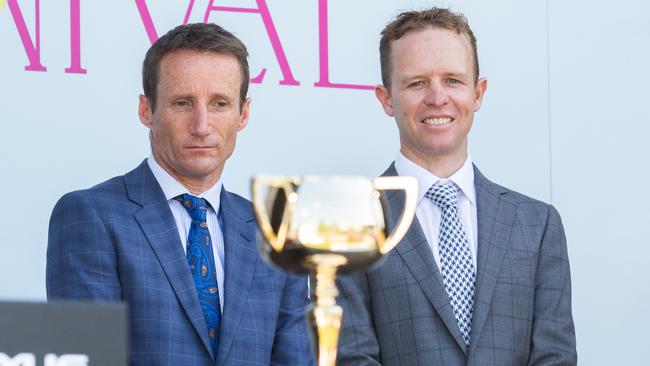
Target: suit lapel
238,227
159,227
495,217
416,253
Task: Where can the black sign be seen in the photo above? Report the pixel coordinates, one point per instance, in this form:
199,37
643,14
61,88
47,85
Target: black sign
63,334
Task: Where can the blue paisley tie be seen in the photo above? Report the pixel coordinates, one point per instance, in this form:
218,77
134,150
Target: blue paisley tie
202,265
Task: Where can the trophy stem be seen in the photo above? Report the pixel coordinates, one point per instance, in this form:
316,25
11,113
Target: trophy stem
325,316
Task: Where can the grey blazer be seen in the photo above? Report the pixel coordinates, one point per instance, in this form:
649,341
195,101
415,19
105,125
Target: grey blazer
398,313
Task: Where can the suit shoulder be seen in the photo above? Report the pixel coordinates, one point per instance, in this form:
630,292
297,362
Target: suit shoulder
107,190
531,210
520,198
104,197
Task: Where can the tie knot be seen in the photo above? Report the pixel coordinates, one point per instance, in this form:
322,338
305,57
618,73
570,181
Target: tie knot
195,206
443,195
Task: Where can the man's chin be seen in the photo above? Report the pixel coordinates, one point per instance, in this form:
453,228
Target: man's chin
200,169
439,152
202,172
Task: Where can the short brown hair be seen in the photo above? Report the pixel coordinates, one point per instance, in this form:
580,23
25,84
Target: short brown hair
205,37
413,21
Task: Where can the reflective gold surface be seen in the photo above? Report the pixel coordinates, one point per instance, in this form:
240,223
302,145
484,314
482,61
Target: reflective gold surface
325,225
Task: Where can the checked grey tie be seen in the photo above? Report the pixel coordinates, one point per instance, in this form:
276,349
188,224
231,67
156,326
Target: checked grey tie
455,257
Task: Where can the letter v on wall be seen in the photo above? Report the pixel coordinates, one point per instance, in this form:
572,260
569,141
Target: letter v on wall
147,21
263,10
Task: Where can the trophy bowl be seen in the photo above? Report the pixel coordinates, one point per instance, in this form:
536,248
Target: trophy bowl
326,225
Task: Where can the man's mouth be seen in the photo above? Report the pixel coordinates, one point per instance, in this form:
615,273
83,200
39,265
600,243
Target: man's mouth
200,147
437,121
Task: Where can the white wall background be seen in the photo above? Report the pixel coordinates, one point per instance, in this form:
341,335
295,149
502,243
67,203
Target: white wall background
565,120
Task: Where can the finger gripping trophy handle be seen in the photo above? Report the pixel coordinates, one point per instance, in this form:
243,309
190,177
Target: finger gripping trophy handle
410,187
286,185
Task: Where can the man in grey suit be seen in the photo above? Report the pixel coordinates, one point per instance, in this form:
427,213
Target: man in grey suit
482,276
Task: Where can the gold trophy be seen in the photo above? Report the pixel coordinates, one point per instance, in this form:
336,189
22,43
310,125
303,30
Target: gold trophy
324,225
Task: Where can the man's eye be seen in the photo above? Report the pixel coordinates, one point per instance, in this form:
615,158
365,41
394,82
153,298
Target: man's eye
181,103
417,84
452,81
221,103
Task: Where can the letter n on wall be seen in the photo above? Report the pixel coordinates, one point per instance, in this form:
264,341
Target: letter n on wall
32,49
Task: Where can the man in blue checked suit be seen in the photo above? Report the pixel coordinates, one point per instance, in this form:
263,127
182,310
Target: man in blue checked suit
482,276
168,239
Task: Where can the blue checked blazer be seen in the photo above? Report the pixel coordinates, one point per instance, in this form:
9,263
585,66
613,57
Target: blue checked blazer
118,241
398,312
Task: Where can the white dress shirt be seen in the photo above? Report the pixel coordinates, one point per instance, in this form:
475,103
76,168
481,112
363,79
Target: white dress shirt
428,214
173,188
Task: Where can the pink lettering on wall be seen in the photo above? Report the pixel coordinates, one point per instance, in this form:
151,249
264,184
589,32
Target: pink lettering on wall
190,6
147,22
75,40
32,46
263,10
33,50
323,53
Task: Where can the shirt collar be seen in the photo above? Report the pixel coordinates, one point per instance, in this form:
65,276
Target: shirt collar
463,177
173,188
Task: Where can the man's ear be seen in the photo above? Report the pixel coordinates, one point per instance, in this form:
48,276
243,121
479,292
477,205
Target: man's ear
145,112
479,92
383,96
243,119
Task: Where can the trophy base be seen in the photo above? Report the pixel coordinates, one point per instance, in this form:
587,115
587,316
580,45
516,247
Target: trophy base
324,317
325,324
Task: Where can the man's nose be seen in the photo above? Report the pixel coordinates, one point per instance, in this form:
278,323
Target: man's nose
200,125
436,95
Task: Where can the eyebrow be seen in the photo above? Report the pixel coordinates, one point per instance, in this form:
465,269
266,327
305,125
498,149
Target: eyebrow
408,79
454,74
458,75
190,96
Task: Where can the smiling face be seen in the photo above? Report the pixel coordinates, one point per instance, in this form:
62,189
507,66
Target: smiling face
433,97
197,116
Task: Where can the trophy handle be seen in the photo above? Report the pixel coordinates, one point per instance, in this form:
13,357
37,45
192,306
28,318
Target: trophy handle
410,187
286,185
